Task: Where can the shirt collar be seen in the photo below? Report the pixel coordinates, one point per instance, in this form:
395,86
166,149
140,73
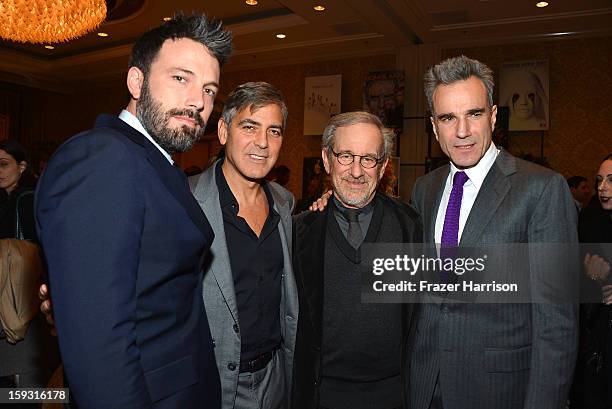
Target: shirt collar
226,196
367,209
132,121
478,173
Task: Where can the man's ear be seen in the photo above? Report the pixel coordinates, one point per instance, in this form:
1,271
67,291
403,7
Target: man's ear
433,126
222,131
135,80
493,116
325,157
383,167
22,166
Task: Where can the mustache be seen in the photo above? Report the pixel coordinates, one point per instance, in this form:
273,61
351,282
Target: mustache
360,179
188,113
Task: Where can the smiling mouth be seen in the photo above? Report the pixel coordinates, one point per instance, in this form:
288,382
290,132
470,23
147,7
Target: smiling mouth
257,157
465,147
604,199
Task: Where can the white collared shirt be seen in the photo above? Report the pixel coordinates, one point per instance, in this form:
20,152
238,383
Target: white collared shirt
132,121
471,188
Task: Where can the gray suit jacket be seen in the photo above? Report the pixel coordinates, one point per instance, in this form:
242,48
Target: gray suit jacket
219,294
498,355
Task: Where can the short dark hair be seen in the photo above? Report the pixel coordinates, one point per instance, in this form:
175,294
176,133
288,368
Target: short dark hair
608,157
197,27
282,170
574,181
254,95
15,149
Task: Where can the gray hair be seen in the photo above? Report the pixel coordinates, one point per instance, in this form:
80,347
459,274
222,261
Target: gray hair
353,118
254,95
457,69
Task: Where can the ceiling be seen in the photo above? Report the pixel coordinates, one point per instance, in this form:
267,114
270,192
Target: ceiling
346,28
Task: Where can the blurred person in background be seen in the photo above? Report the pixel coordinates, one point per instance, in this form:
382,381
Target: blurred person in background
580,189
29,362
593,377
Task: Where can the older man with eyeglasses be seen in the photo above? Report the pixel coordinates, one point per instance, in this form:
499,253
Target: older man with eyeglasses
348,354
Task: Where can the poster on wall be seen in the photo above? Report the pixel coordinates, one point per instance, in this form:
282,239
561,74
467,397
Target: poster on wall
4,127
524,90
322,98
383,95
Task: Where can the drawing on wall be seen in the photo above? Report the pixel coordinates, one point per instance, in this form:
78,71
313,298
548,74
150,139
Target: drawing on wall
524,90
322,98
4,126
383,95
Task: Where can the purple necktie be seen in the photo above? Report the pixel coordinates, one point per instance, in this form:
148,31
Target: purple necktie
450,231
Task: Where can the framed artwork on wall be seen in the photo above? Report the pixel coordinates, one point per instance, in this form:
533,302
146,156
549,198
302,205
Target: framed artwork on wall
322,99
383,96
524,90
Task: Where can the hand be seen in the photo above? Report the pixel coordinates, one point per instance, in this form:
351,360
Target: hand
597,268
607,294
321,203
46,308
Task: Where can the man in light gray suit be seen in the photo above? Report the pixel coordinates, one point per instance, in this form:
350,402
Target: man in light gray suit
249,287
466,355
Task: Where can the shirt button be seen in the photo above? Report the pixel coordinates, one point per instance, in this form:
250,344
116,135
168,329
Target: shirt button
231,366
316,383
236,328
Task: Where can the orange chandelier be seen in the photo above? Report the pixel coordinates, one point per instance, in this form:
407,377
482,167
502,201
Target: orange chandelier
49,21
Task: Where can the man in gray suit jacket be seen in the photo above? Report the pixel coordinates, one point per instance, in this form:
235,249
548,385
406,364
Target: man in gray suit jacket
488,355
249,288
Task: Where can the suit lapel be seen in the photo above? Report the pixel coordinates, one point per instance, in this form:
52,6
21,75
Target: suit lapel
207,195
311,244
172,177
433,196
490,196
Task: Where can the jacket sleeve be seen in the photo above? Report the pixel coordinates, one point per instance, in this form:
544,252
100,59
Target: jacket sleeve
90,210
552,237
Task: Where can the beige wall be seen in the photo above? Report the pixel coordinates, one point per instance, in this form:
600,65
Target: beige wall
580,133
290,80
580,110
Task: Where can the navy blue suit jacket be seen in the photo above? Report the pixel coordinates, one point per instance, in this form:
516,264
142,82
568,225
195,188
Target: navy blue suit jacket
124,239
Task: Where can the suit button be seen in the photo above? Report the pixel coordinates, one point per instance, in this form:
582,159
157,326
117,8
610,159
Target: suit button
317,348
231,366
236,329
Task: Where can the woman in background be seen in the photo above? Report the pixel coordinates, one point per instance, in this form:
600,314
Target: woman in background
593,384
27,363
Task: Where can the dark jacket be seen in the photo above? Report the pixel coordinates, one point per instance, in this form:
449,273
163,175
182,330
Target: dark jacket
308,263
123,239
8,211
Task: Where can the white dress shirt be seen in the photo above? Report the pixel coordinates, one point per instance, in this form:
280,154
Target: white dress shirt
132,121
471,188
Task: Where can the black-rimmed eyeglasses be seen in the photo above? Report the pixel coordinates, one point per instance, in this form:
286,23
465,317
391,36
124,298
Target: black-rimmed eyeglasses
346,158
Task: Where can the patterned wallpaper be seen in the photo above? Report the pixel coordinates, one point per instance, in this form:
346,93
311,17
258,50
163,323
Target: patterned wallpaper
580,133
